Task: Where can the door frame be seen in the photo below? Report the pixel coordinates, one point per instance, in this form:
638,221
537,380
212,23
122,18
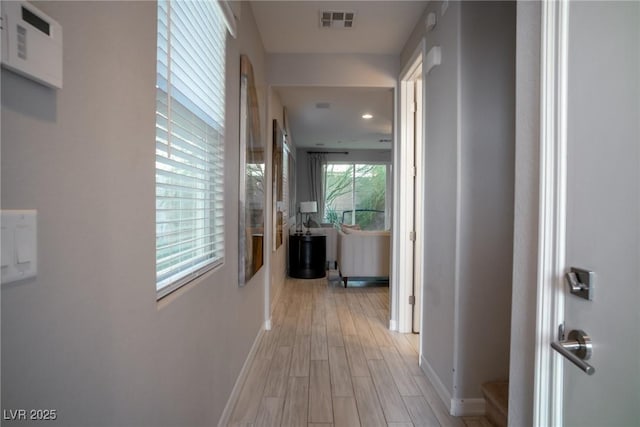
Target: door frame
548,376
403,268
418,203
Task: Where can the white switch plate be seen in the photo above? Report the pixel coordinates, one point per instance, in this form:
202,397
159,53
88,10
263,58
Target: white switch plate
19,245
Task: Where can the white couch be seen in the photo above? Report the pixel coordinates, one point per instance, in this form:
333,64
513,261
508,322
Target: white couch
363,253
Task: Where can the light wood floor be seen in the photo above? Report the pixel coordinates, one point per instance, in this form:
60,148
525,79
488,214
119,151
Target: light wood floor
330,360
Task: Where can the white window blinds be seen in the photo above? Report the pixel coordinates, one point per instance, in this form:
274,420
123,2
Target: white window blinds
190,104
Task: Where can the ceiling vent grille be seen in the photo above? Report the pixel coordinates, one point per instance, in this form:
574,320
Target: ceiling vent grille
336,19
322,105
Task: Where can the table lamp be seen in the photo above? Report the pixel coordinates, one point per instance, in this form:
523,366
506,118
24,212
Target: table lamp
308,208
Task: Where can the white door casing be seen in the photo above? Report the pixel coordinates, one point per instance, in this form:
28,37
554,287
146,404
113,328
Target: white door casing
551,229
403,265
418,203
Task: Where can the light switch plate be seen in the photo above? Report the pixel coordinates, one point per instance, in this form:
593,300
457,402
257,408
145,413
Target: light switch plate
19,244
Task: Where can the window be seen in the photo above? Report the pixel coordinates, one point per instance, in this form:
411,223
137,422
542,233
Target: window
190,106
356,194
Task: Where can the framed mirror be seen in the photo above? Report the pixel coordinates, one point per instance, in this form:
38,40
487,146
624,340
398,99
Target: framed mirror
290,159
291,180
252,197
278,179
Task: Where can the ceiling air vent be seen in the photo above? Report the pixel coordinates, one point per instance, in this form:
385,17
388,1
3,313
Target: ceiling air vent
336,19
323,105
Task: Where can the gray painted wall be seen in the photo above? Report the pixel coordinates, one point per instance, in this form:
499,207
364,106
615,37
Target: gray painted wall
469,137
525,242
487,183
87,337
441,188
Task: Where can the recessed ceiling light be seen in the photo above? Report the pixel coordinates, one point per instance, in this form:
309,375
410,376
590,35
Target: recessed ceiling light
367,116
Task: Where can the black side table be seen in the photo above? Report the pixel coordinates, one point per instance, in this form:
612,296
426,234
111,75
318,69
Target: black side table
307,256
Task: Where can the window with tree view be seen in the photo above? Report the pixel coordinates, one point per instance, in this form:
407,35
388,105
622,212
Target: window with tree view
356,194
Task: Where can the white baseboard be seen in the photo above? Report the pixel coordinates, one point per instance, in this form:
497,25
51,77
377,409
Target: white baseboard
242,376
457,407
393,325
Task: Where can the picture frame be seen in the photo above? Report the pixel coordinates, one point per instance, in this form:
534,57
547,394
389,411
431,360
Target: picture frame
252,194
291,163
277,182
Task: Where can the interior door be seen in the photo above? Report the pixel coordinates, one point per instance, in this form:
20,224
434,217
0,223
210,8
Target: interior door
603,210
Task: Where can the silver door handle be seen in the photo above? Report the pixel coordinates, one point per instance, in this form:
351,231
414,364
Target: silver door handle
574,283
577,349
581,282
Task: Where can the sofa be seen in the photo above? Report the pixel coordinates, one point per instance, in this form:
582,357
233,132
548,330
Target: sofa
363,253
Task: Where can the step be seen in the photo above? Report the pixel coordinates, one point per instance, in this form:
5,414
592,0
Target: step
496,394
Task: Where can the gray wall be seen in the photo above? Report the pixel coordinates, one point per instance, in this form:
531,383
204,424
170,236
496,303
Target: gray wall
486,201
441,188
87,336
469,137
525,242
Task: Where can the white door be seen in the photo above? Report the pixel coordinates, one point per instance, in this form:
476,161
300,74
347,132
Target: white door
603,210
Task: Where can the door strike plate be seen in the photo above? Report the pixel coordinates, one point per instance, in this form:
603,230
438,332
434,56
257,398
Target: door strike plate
581,282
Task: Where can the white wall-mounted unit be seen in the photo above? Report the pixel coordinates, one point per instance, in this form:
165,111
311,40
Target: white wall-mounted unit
31,43
434,57
430,22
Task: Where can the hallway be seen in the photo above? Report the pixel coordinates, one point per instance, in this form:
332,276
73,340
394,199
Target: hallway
331,360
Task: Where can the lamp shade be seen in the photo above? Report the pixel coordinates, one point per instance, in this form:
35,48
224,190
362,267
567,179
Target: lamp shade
308,207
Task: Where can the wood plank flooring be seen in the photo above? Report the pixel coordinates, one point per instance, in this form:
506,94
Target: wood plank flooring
330,360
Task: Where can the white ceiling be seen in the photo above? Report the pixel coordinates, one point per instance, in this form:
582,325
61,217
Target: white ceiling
379,27
340,126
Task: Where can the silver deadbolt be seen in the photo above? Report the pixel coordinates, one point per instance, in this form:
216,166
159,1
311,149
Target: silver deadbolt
577,348
581,282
